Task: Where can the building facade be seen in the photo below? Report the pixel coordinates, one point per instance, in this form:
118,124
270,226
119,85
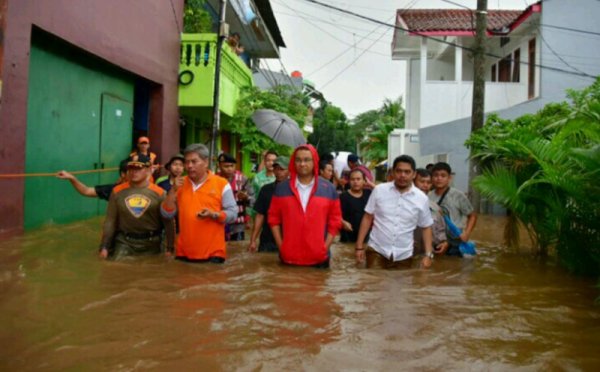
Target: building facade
80,81
533,57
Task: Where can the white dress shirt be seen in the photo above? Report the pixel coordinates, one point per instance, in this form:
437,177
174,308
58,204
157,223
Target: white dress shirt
304,191
396,215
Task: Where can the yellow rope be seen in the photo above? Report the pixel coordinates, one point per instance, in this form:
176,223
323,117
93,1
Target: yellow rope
22,175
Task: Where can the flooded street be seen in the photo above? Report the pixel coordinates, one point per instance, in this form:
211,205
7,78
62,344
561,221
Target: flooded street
62,308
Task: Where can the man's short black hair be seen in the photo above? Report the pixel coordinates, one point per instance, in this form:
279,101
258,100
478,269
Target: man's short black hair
405,159
323,164
271,152
429,167
353,158
422,172
326,156
441,166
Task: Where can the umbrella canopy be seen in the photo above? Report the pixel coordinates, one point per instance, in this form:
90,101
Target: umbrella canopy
280,127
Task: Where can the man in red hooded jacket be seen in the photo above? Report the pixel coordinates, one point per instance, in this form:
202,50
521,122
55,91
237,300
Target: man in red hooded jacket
305,213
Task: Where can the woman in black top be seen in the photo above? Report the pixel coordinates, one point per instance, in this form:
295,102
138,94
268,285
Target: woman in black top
353,203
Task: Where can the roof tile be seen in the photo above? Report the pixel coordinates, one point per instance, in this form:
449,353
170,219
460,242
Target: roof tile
427,20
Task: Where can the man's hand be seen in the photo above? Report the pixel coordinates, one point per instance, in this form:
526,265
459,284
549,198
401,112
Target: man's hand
360,255
441,248
426,262
464,236
103,253
177,183
346,226
252,246
206,213
64,175
241,195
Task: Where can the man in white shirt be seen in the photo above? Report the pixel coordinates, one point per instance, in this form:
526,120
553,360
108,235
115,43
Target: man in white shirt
394,210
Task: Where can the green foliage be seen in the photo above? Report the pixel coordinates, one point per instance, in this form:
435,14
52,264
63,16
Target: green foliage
545,168
330,130
372,128
282,99
195,18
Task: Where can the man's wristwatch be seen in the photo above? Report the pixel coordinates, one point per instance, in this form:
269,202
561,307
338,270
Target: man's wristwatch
430,255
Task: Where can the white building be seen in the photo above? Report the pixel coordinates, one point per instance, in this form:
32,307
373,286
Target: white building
533,56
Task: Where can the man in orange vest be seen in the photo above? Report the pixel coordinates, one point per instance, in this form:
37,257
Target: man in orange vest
205,203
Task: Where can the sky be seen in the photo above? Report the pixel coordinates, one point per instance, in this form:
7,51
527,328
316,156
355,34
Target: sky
349,59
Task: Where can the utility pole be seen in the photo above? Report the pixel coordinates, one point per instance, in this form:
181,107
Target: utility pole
223,32
477,112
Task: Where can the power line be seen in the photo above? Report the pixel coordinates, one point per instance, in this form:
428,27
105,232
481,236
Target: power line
440,40
175,16
457,4
571,29
328,33
345,28
274,82
557,55
543,25
351,63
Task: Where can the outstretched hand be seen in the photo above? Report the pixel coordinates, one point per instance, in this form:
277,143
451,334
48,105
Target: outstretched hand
64,175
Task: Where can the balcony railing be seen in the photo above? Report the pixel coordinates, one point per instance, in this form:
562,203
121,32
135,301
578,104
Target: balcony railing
197,74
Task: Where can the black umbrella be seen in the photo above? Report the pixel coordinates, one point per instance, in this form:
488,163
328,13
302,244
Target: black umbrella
280,127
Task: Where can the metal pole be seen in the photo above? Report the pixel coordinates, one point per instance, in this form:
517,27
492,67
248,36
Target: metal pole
478,91
216,112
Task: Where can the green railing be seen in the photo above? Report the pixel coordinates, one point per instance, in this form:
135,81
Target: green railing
197,74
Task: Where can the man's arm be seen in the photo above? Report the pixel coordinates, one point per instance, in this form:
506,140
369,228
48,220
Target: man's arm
168,208
334,218
229,205
438,233
471,221
170,233
259,220
365,225
427,261
79,186
275,221
110,226
276,230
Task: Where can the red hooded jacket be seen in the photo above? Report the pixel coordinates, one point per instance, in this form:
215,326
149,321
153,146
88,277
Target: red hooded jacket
303,232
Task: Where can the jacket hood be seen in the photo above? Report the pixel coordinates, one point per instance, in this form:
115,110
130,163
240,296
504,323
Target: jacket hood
292,166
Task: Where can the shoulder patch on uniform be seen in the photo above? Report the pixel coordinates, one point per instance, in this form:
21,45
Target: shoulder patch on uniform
137,204
120,187
157,189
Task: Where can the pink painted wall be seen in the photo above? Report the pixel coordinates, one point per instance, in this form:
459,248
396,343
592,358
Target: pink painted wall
142,37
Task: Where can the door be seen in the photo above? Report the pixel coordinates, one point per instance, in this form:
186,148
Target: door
67,119
116,121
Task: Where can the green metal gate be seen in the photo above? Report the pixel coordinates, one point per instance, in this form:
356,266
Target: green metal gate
79,118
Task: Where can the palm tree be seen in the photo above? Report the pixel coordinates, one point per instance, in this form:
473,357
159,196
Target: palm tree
545,168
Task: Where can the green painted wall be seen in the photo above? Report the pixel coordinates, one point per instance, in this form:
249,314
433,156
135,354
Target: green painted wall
79,118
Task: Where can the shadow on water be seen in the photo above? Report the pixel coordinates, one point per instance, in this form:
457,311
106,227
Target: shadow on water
62,308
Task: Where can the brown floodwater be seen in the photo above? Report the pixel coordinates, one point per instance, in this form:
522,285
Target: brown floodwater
61,308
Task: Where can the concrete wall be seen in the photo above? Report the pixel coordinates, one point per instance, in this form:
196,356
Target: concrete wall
141,37
413,95
450,100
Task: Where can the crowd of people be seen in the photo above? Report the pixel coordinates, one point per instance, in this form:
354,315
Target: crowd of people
293,206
